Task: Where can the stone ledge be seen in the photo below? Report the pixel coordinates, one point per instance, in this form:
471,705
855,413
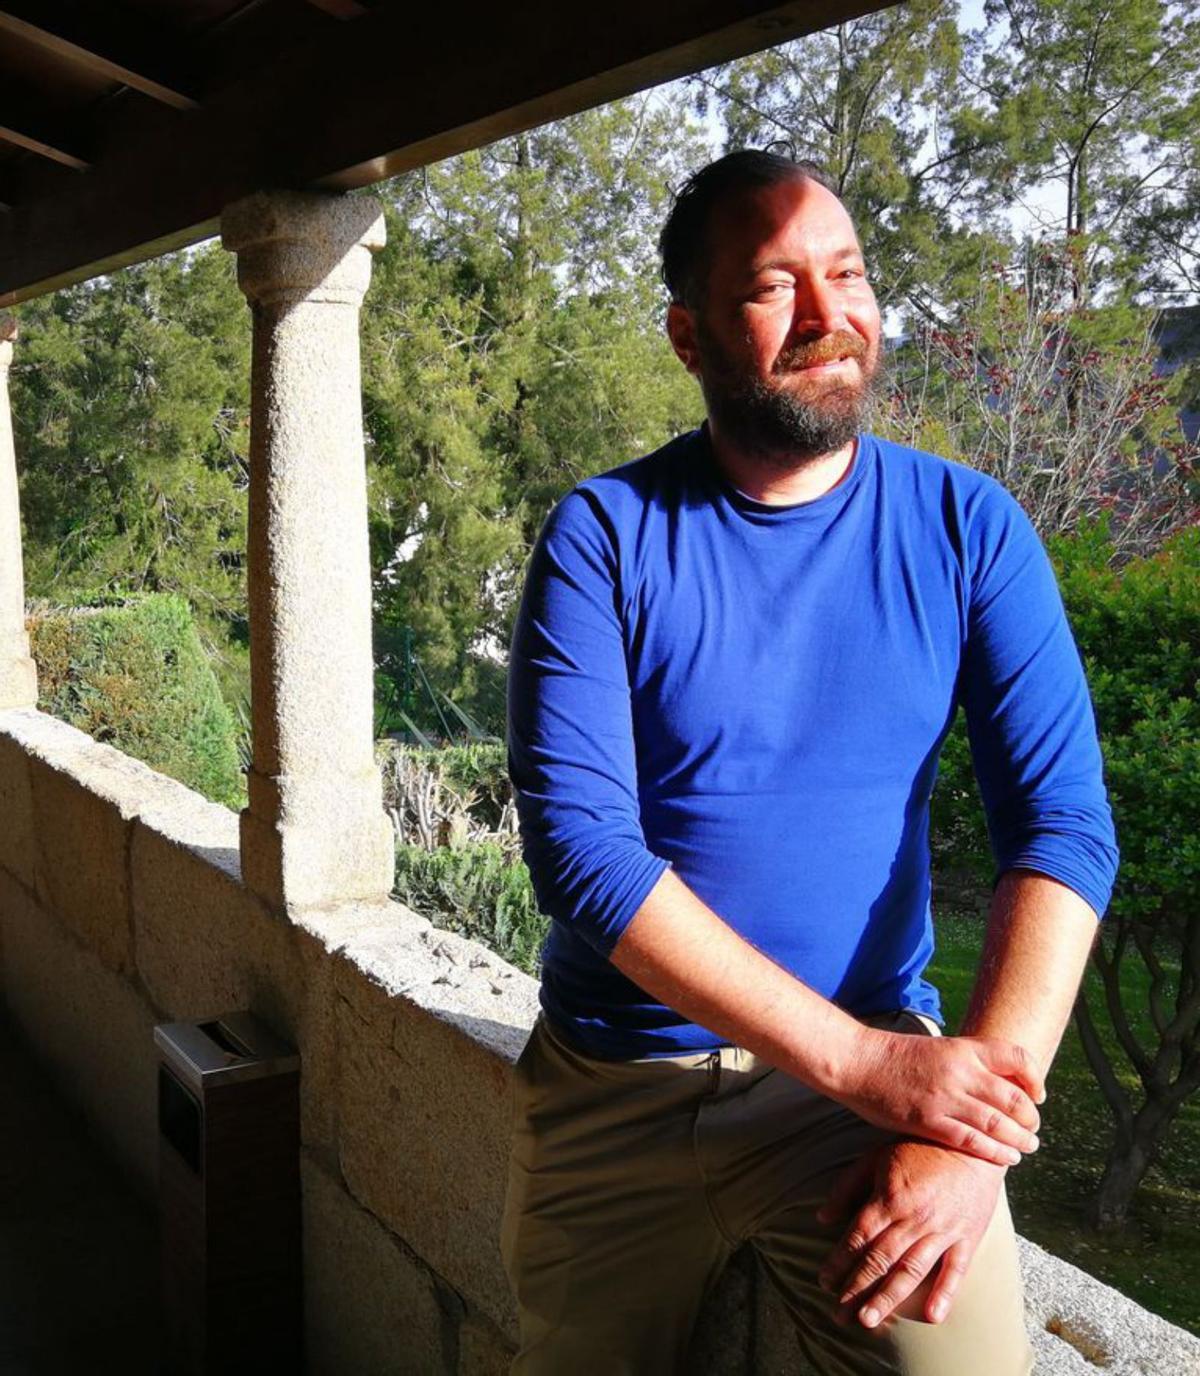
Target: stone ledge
389,953
1080,1325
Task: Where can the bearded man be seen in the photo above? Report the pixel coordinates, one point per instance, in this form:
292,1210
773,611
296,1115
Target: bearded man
734,666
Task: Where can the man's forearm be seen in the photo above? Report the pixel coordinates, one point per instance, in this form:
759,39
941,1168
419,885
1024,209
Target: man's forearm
1039,936
964,1092
679,950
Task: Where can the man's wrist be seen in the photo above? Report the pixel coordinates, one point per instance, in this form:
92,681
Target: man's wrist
835,1060
992,1170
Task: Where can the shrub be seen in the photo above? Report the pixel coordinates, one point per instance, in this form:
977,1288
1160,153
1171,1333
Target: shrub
447,796
480,770
135,676
480,890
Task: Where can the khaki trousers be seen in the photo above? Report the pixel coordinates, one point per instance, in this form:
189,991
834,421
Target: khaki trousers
631,1183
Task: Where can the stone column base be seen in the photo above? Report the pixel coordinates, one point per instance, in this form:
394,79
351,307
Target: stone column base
295,867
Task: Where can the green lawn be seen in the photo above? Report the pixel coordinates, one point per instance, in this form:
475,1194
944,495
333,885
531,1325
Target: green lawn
1157,1260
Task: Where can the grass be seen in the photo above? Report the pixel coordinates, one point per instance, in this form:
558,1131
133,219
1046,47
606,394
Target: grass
1155,1260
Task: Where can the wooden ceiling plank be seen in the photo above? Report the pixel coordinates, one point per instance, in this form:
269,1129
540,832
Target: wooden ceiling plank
42,143
99,41
335,112
340,9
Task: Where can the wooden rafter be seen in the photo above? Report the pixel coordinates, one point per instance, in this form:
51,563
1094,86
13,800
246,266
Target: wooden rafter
98,40
25,130
341,9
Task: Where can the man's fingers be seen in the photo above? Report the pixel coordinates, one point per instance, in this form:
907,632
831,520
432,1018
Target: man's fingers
906,1273
1012,1101
849,1189
874,1262
964,1137
997,1125
950,1274
1013,1062
865,1227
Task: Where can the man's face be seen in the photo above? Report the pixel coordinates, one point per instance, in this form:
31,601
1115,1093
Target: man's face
785,339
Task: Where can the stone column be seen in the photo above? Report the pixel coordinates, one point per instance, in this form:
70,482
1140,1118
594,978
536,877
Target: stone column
315,831
18,675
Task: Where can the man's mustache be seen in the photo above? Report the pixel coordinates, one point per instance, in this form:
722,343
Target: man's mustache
828,349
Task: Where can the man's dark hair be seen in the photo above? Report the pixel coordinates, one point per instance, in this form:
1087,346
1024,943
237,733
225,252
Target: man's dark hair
682,241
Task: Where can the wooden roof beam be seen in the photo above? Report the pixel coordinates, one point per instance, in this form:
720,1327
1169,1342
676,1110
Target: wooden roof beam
24,129
341,9
105,41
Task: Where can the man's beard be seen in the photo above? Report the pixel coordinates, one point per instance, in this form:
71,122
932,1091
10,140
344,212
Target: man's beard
769,420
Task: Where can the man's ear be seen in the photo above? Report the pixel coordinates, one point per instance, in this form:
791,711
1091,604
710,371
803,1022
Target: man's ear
681,330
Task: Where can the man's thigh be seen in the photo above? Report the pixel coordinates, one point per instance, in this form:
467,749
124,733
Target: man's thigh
607,1238
772,1151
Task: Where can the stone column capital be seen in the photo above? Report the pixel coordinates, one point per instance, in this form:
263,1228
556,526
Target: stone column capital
297,246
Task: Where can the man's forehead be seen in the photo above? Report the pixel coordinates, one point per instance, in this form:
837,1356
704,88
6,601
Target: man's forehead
767,261
766,226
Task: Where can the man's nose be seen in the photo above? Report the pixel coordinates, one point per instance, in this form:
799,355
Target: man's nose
817,309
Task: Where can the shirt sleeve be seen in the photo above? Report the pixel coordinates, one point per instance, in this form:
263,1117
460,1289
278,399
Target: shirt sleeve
571,753
1029,715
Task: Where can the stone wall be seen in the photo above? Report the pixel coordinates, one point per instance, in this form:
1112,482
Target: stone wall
122,906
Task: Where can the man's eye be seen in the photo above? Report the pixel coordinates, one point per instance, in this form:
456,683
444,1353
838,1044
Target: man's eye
771,288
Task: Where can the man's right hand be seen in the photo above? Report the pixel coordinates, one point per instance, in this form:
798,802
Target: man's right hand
975,1094
969,1093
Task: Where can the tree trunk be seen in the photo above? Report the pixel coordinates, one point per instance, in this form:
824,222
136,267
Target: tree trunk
1128,1161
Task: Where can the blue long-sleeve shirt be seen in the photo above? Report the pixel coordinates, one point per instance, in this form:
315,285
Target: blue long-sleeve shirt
756,696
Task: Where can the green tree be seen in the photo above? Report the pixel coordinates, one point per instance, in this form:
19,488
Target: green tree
883,104
130,399
513,345
1093,105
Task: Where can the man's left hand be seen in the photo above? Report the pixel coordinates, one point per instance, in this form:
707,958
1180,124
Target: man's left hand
927,1204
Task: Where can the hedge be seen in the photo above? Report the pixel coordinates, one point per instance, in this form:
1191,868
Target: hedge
136,676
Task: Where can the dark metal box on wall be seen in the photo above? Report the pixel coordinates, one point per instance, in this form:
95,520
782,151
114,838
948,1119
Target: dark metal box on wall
229,1197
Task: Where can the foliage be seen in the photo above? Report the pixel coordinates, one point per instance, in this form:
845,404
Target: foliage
481,771
136,677
481,890
511,347
1096,103
448,796
129,399
1061,402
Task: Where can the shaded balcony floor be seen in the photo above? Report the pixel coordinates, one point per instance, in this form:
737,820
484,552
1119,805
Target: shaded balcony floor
78,1249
